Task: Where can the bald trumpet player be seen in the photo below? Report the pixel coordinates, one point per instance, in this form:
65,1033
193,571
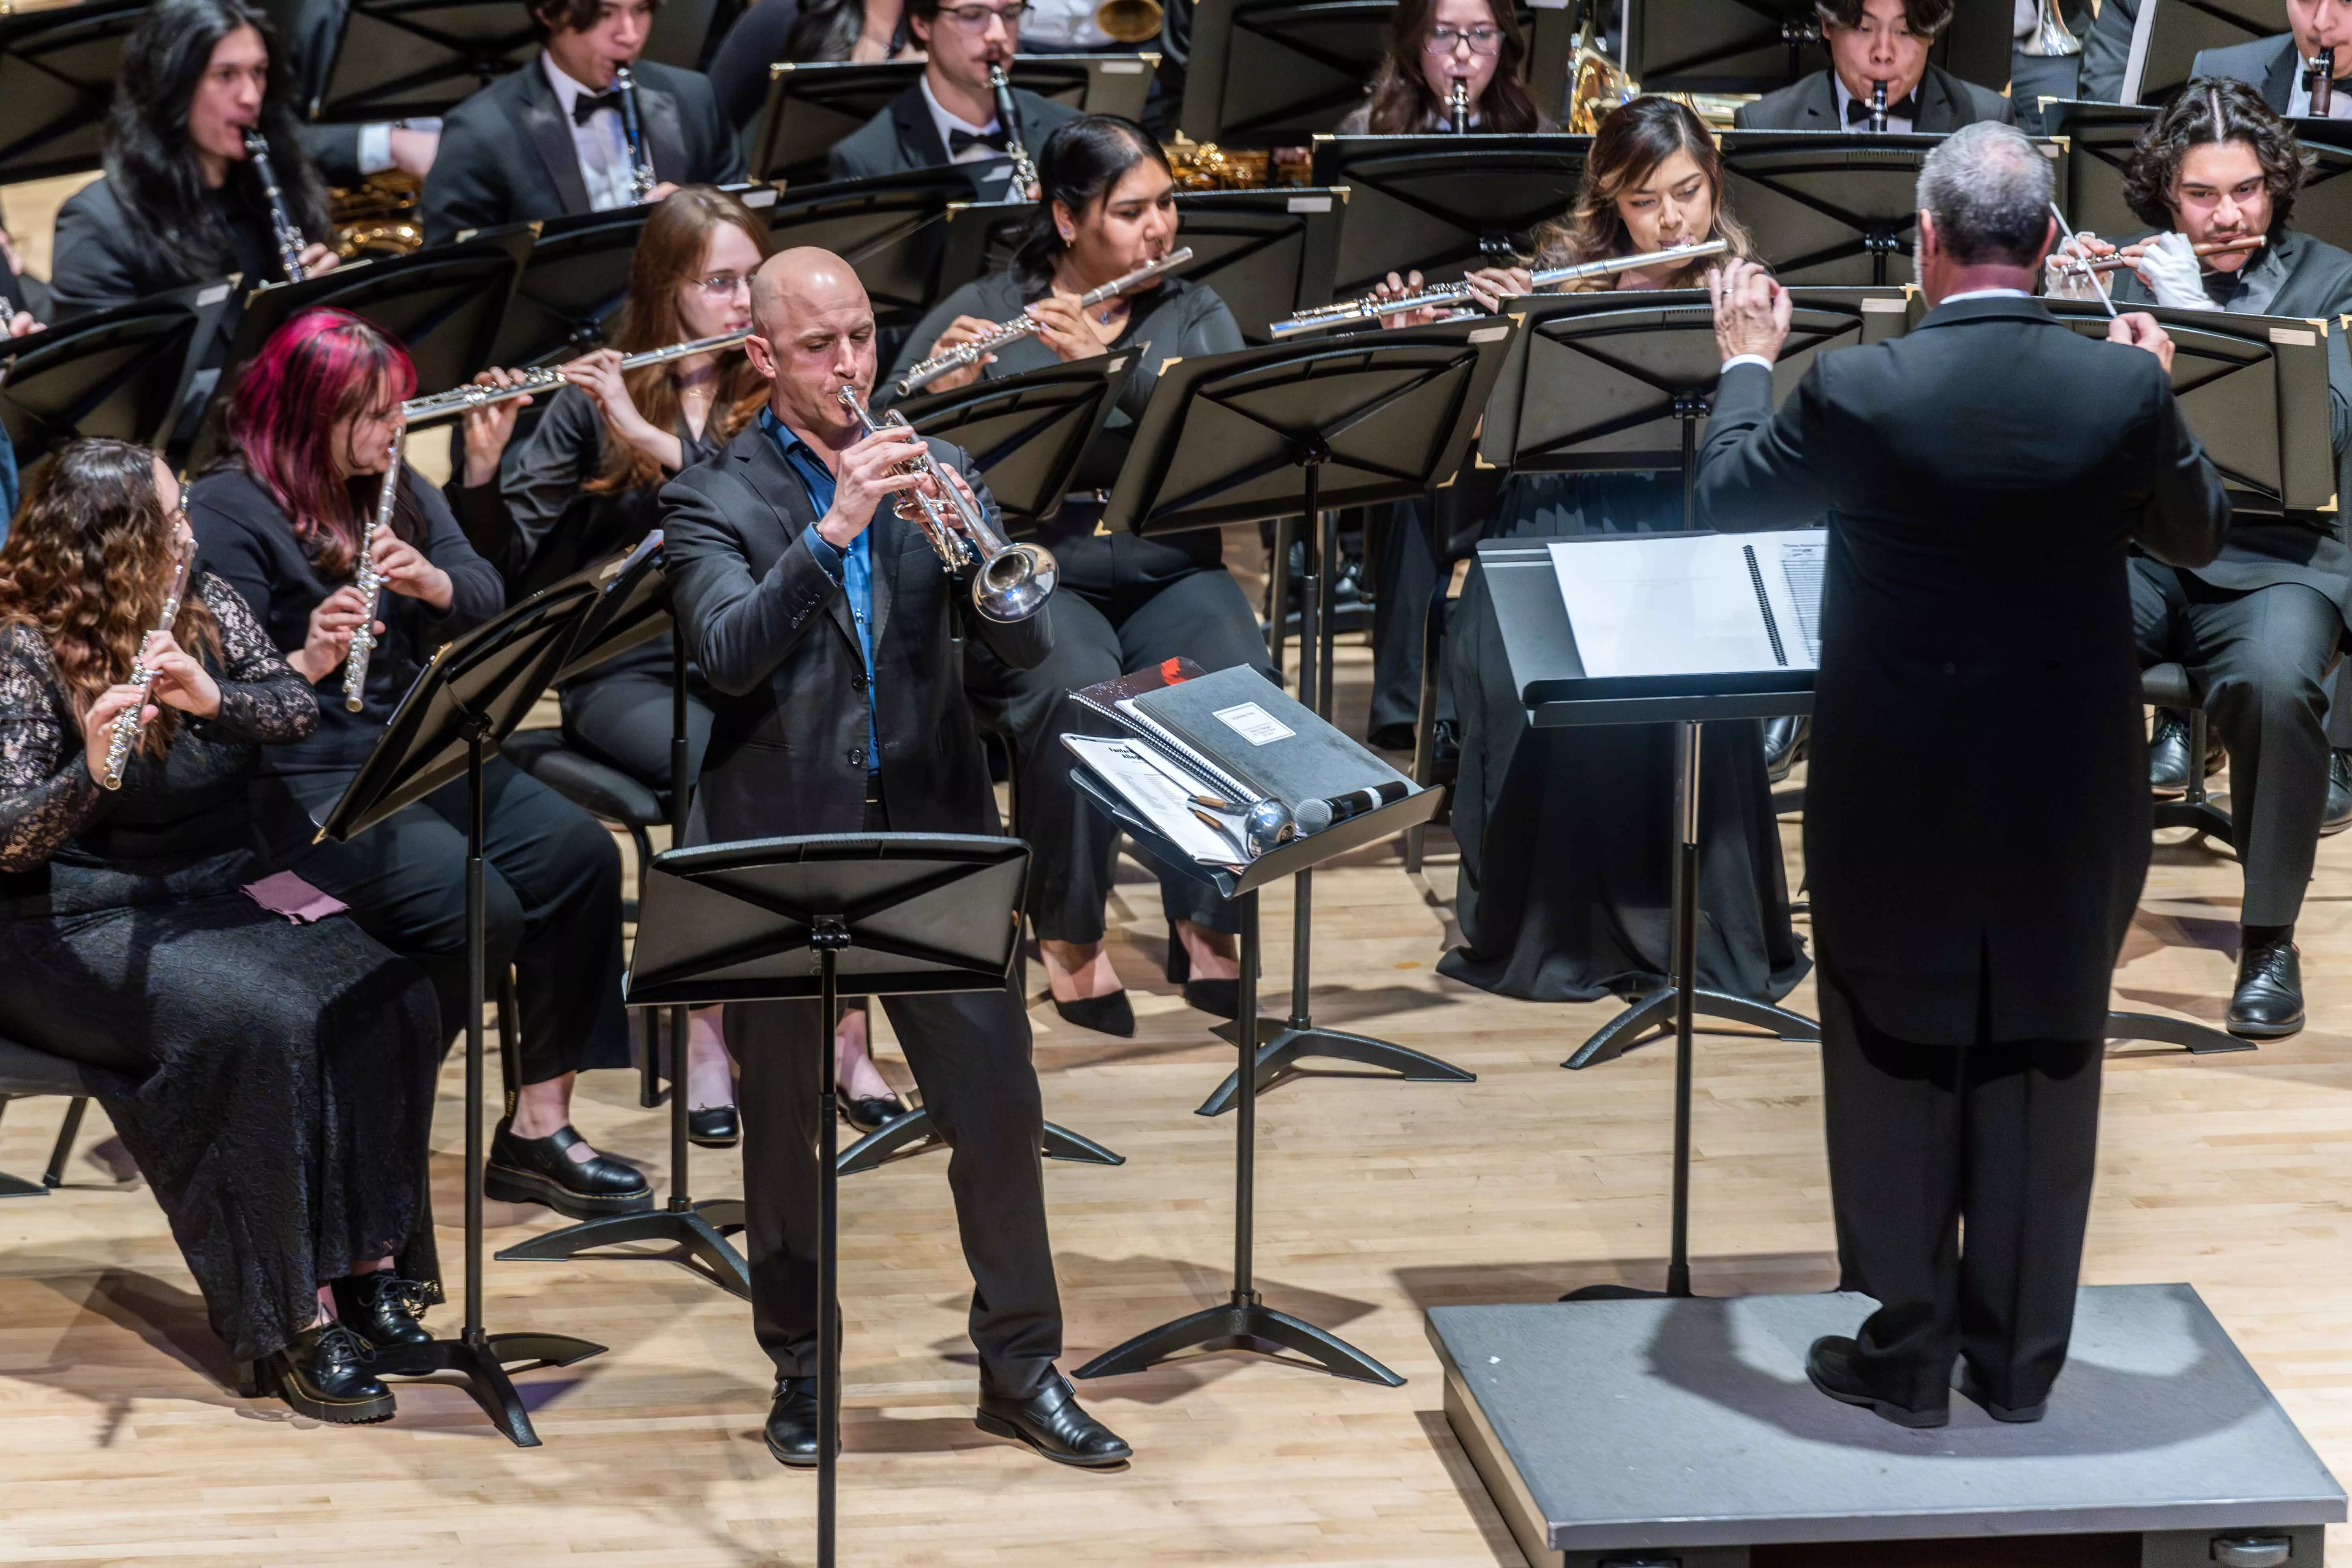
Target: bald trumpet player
2260,626
820,618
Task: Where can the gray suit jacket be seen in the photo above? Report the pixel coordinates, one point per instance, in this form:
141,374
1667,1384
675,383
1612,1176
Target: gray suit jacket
2269,64
2106,47
903,136
1946,104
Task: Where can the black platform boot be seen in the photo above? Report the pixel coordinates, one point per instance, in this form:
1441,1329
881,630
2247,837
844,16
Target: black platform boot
322,1374
382,1308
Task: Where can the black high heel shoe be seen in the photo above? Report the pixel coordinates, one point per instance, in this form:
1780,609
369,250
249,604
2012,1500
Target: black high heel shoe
1218,998
1111,1015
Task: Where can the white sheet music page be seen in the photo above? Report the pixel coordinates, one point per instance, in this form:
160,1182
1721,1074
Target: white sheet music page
1683,605
1162,796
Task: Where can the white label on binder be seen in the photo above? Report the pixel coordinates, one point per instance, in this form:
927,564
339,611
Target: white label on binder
213,296
2292,335
1310,203
1254,724
1488,334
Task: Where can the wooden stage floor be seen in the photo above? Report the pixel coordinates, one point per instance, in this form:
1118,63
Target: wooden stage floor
118,1444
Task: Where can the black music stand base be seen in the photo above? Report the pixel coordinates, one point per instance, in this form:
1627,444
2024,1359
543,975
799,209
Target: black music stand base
2197,1038
1283,1045
903,1133
482,1360
1656,1010
695,1229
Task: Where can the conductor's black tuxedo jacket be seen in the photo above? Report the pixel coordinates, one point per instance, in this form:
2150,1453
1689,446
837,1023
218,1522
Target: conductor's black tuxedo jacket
507,153
770,630
1946,104
1983,479
904,136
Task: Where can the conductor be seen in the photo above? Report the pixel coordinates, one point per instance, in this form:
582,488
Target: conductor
1983,479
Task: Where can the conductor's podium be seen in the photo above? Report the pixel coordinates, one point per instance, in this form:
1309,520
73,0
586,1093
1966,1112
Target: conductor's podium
1645,1434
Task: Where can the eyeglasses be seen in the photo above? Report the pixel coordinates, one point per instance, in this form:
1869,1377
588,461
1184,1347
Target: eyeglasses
722,285
1482,40
976,19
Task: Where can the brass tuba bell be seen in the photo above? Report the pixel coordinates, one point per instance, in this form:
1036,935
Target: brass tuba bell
1129,21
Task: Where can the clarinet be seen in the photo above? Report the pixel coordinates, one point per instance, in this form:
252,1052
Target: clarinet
1008,120
2321,83
1878,106
132,722
1459,108
282,226
642,179
370,583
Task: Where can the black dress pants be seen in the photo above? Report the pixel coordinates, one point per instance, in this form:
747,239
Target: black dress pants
553,880
1201,615
2263,655
969,1053
2001,1138
623,718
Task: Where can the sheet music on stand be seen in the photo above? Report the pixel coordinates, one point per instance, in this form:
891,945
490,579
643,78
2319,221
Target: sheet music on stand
1674,604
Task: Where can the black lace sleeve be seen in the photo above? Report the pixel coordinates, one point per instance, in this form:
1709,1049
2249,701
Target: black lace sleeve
262,698
45,792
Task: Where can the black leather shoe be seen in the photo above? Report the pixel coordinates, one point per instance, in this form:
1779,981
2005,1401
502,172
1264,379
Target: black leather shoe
1051,1422
323,1375
1218,998
792,1424
2338,814
1830,1366
1111,1015
1973,1391
543,1171
871,1115
2168,752
382,1308
2268,1003
713,1126
1784,744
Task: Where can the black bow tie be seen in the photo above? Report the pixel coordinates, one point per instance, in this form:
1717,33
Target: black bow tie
1857,110
588,103
959,140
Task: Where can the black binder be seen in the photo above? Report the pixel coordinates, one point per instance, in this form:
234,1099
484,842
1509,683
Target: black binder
1249,729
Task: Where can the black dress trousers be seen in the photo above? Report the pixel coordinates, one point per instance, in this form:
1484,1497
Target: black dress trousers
623,718
2001,1138
969,1053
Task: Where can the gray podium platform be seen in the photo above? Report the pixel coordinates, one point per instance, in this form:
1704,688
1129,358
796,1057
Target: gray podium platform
1683,1432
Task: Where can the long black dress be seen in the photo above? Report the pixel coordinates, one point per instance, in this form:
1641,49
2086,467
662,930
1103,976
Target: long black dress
274,1081
1567,880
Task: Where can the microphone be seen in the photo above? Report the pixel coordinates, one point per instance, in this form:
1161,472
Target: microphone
1314,815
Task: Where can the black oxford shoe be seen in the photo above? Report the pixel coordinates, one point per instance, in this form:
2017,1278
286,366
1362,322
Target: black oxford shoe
792,1424
1830,1366
1784,745
323,1375
1051,1422
543,1171
2168,752
1973,1390
2337,816
2268,1004
382,1308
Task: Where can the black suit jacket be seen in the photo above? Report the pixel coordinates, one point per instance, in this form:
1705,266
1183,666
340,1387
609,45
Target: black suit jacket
904,137
1983,478
506,156
770,631
1946,104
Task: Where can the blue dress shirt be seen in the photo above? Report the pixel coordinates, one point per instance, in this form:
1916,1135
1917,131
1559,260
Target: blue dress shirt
852,568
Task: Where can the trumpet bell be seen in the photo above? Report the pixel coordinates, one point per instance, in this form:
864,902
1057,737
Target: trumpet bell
1014,584
1129,21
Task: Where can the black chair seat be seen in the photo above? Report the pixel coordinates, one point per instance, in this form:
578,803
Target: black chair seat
590,785
26,1072
2167,686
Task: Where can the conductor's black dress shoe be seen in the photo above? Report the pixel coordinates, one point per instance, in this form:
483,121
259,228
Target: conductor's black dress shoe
2268,1003
1973,1391
543,1171
792,1424
382,1308
1051,1422
2338,816
2168,752
323,1375
1831,1367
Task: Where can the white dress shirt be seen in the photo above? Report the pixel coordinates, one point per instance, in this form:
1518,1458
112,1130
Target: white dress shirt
1065,23
602,145
2298,96
944,123
1899,122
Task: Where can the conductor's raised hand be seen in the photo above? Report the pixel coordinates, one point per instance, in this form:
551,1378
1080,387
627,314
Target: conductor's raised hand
1751,310
2140,330
489,427
181,681
407,571
869,474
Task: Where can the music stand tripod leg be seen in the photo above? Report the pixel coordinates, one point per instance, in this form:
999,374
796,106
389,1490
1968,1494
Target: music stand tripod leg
902,1133
828,936
1243,1321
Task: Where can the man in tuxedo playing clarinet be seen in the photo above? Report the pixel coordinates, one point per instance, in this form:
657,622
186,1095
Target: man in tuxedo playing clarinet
822,621
1984,478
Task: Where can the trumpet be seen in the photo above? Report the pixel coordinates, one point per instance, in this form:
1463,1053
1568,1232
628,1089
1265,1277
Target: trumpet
1015,580
1458,108
460,400
2319,81
128,724
282,227
2118,263
1371,306
1878,106
370,583
1008,120
642,178
1022,325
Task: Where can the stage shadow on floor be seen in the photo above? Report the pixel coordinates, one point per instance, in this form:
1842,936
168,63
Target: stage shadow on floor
1725,1274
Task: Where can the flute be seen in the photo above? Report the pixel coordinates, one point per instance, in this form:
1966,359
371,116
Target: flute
1372,305
546,378
1459,108
2218,247
642,179
282,227
1022,325
132,722
370,583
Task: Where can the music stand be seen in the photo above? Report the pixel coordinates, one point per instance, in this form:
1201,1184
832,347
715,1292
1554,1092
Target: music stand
443,304
1272,73
888,228
812,106
397,59
1443,204
2169,34
1029,433
1827,206
1299,429
57,79
117,373
2099,138
632,608
779,919
471,695
1760,45
1243,1320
